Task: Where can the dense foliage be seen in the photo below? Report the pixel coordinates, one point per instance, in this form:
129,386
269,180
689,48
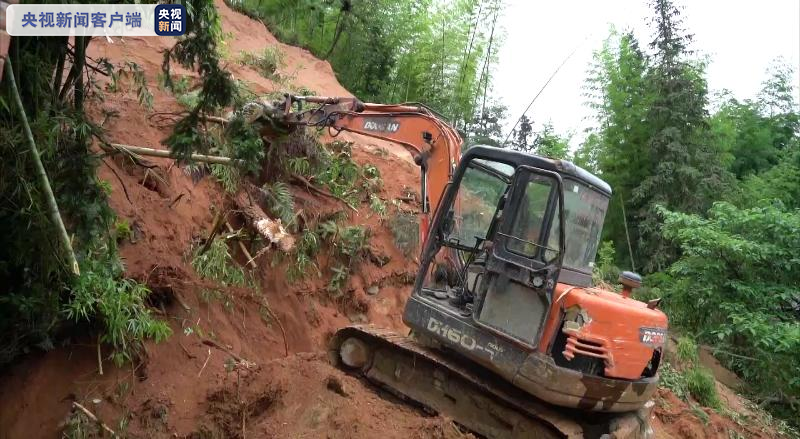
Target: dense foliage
706,198
706,189
736,283
41,297
438,53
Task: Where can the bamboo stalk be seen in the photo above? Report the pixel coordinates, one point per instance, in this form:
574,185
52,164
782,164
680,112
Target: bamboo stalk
168,154
52,205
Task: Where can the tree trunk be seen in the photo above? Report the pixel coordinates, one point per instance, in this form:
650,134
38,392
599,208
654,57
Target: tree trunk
80,61
59,72
488,61
336,35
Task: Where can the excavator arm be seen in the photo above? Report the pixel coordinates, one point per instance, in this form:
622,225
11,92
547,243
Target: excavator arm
434,145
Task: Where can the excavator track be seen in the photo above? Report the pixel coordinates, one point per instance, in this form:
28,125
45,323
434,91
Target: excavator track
473,397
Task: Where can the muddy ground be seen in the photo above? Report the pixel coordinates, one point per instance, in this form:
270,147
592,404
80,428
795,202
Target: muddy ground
188,386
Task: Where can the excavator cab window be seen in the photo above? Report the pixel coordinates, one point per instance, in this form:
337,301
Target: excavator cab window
463,230
480,195
528,223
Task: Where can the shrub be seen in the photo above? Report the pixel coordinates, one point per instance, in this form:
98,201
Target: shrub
266,63
673,380
120,307
604,269
687,350
122,230
735,286
702,386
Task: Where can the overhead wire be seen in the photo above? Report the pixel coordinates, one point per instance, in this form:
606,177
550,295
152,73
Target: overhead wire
550,79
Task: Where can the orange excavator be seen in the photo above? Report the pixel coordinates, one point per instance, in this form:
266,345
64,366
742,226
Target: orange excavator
509,337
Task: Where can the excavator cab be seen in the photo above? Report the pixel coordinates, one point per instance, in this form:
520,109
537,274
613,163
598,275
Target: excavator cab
494,252
512,242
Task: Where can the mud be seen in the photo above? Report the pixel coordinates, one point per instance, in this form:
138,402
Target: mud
243,384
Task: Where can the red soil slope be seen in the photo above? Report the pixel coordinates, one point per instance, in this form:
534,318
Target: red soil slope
183,387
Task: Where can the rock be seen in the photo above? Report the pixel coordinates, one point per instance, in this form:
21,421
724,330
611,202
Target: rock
334,384
373,290
357,317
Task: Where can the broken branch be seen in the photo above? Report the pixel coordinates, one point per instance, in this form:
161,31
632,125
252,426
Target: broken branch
239,359
204,364
243,248
94,418
270,229
219,219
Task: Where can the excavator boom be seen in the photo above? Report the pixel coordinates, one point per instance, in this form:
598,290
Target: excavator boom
434,145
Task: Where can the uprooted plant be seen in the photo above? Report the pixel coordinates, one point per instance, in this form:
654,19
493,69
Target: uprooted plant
214,261
267,62
347,246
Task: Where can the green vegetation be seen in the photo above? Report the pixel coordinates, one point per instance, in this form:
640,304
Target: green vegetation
199,50
267,62
604,269
377,205
280,201
119,305
705,204
673,379
122,230
133,71
440,53
304,255
687,350
746,304
706,196
330,166
347,246
702,386
690,379
43,300
546,142
217,264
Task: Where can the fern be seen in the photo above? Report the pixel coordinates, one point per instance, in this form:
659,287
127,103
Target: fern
280,201
299,165
227,176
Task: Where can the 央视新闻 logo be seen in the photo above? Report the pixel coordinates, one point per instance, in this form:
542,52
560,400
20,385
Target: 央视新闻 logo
170,20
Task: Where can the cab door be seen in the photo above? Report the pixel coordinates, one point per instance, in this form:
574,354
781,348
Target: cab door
516,291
